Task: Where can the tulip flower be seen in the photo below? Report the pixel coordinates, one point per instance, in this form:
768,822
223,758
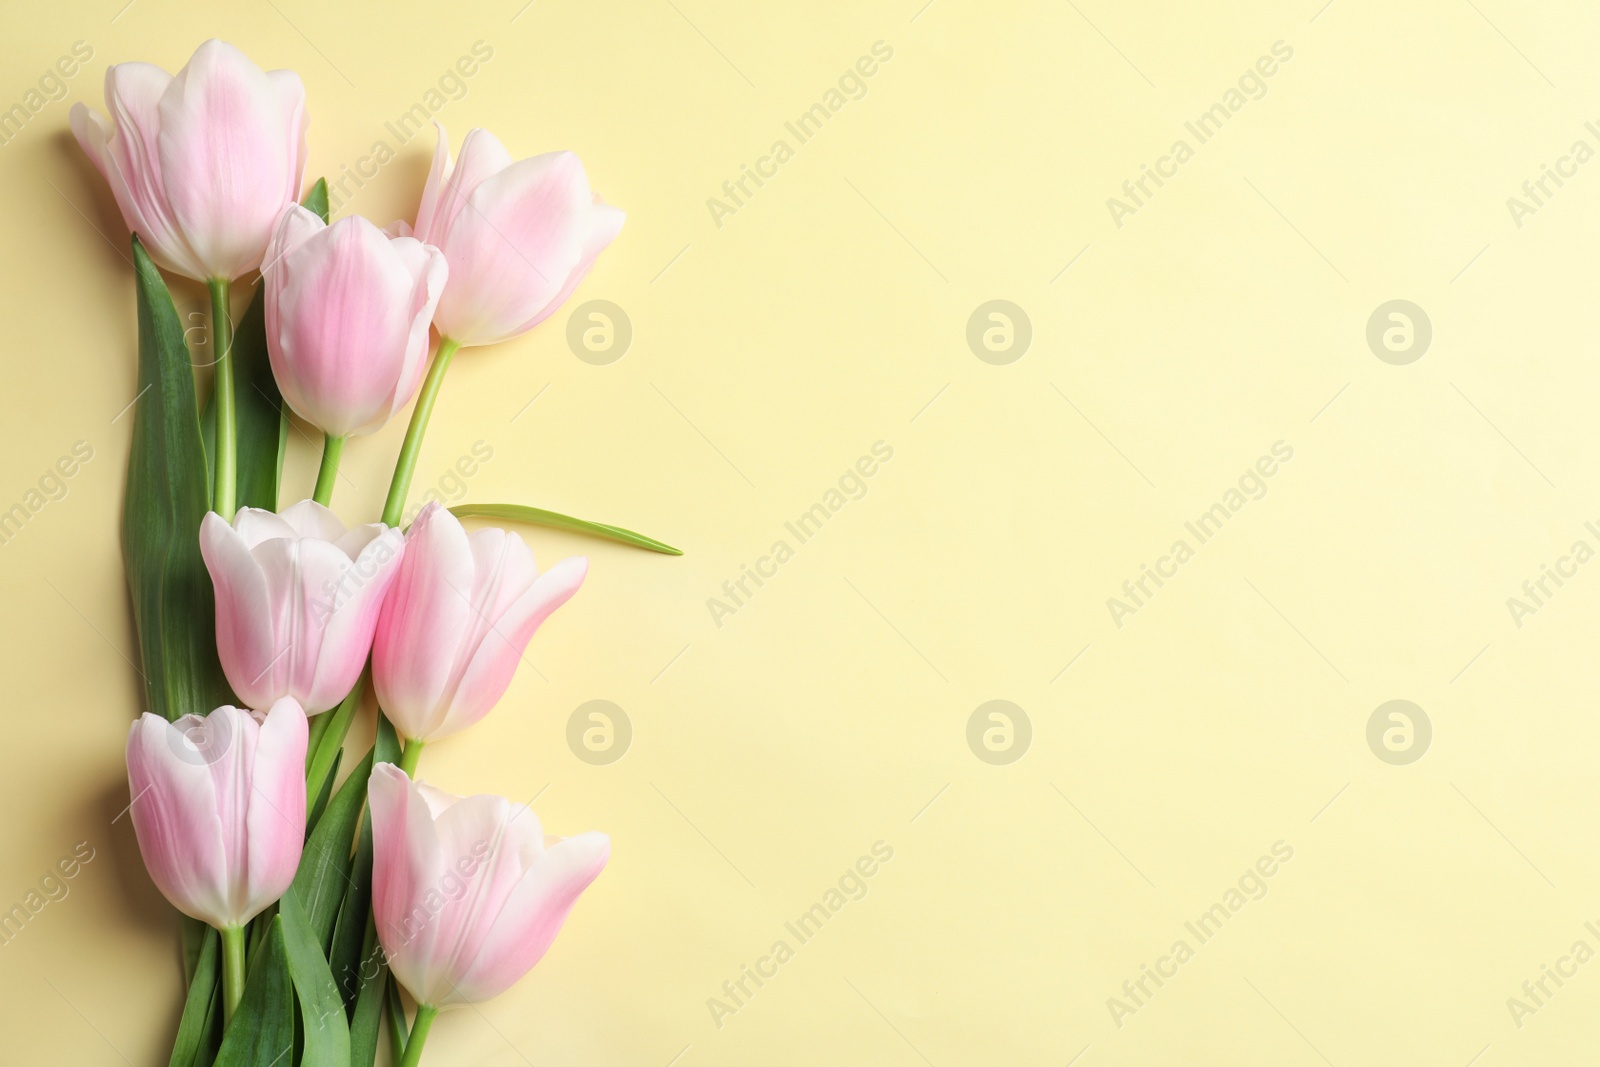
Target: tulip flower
467,893
201,163
347,311
298,598
459,615
219,808
519,235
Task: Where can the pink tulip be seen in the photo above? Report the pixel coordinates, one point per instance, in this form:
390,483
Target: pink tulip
519,235
219,807
298,597
348,310
458,617
467,893
202,163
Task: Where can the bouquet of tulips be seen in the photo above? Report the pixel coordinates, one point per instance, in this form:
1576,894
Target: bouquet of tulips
312,908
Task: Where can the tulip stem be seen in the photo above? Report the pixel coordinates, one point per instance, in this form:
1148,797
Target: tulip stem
412,446
226,479
232,970
332,449
409,757
419,1034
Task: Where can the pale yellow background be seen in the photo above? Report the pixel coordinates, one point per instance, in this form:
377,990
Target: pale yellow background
831,711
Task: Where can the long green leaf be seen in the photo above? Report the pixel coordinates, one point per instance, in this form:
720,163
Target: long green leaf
261,416
261,1033
194,938
323,1022
344,955
167,496
321,803
330,740
196,1043
324,872
367,1015
541,517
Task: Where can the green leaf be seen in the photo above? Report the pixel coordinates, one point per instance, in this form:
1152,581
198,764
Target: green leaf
198,1032
369,1004
262,1031
397,1016
167,496
261,416
323,1022
330,740
386,746
321,804
370,971
344,955
317,199
324,872
194,934
540,517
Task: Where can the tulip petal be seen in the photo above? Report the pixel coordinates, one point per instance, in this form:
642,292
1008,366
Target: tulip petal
432,192
246,642
423,624
230,757
512,247
485,677
604,225
477,839
277,815
175,819
408,866
222,154
528,923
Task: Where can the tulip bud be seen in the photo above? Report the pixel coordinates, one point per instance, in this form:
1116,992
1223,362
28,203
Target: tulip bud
519,236
202,163
348,310
461,611
298,597
219,807
467,893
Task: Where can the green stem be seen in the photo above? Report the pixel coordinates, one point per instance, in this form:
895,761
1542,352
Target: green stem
222,493
232,970
397,1017
332,449
412,446
419,1035
409,757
